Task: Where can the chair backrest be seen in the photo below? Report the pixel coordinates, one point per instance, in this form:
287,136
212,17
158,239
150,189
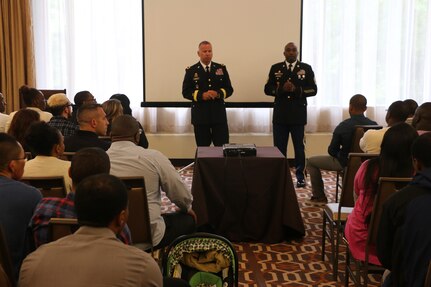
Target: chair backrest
139,215
386,187
60,227
67,155
4,279
48,92
428,276
105,138
354,161
6,268
28,155
50,186
358,134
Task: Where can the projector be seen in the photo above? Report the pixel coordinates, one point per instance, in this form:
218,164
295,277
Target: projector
232,150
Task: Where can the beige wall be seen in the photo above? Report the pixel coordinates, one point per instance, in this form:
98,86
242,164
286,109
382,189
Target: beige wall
183,146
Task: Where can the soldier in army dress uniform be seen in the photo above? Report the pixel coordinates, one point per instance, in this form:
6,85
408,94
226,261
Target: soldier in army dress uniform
207,84
291,82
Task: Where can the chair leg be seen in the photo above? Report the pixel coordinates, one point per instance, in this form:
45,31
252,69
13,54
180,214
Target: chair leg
335,253
365,275
337,186
323,236
347,273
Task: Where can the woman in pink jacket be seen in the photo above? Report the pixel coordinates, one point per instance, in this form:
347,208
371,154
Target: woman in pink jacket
394,161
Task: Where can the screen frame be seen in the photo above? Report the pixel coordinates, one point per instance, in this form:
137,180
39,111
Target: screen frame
186,104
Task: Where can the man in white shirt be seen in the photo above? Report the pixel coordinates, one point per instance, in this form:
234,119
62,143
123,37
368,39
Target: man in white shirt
372,139
129,159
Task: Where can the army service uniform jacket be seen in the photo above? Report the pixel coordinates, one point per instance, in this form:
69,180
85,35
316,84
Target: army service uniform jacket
291,107
196,82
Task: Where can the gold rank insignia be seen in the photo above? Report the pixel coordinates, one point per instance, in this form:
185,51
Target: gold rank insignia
196,77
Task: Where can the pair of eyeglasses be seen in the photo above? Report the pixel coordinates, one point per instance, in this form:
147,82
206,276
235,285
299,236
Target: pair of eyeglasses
23,158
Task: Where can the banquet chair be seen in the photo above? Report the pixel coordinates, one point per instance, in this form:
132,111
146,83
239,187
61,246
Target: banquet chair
139,215
49,92
28,155
49,186
67,155
60,227
358,133
428,276
359,274
335,214
7,278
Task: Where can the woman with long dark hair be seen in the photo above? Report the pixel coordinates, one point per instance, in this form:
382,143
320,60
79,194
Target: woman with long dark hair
394,161
21,123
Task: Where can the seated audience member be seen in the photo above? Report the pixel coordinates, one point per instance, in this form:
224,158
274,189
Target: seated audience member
394,161
92,256
422,119
86,162
129,159
113,110
338,149
372,139
61,108
404,236
125,102
17,200
47,144
92,124
81,98
20,124
411,105
33,100
3,117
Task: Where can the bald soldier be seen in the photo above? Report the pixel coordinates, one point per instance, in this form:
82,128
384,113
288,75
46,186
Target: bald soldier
207,85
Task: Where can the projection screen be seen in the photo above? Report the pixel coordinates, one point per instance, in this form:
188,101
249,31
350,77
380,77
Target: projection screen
248,36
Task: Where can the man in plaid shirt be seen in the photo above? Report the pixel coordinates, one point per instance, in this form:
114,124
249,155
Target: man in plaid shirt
61,108
86,162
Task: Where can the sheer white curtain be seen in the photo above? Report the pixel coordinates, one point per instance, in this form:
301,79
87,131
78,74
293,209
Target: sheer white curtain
377,48
90,45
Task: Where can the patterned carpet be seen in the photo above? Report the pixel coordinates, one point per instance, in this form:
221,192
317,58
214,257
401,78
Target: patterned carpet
294,263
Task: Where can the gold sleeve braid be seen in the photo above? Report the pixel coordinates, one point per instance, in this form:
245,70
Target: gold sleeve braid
224,93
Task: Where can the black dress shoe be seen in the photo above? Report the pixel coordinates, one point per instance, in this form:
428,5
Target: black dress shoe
300,183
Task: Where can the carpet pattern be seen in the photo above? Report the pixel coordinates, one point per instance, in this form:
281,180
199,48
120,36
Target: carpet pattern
294,263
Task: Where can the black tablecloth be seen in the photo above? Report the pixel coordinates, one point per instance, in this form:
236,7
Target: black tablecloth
246,198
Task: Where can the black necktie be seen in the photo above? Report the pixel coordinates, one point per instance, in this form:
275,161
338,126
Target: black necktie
207,69
290,67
